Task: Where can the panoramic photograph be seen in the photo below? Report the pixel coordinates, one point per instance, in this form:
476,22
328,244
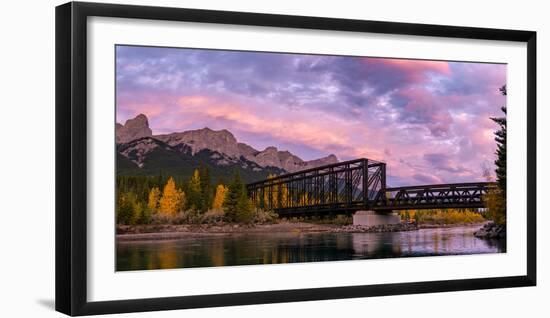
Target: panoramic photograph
228,158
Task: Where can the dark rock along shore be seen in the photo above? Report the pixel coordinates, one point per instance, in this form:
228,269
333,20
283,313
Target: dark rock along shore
491,231
412,226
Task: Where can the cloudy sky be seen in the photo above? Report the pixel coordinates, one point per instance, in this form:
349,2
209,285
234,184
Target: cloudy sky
428,120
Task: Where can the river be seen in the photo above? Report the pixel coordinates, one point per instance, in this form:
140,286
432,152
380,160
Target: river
272,248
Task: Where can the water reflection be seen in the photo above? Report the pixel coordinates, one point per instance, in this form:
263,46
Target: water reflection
275,248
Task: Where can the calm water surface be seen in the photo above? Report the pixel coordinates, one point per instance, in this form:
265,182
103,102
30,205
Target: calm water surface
273,248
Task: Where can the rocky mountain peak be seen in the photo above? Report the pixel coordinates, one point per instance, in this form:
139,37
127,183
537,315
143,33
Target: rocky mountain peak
221,141
330,159
270,149
272,157
135,128
137,122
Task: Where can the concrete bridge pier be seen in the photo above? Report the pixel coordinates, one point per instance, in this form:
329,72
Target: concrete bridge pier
372,218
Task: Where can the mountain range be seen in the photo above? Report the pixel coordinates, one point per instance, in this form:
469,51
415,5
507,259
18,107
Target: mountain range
139,152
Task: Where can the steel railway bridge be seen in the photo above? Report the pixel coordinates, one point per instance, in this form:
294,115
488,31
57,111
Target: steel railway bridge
360,184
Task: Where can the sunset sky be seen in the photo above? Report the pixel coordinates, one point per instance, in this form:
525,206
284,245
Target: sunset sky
428,120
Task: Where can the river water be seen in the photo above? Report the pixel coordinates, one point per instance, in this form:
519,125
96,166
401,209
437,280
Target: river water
273,248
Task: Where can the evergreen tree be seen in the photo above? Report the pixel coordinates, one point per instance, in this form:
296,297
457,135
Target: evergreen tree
125,208
237,206
500,138
205,190
245,210
194,191
142,213
495,199
232,198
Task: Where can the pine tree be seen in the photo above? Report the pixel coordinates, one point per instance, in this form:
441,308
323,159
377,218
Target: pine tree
205,190
500,138
237,206
495,199
232,198
245,210
172,199
194,191
125,208
154,198
142,213
219,197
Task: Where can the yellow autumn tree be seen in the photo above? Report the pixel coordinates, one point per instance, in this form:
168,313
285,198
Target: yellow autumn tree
496,205
284,195
270,195
154,198
219,197
304,199
172,199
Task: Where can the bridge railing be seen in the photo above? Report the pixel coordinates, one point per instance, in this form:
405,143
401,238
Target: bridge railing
433,196
345,185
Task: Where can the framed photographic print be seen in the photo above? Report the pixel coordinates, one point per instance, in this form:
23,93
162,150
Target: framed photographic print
210,158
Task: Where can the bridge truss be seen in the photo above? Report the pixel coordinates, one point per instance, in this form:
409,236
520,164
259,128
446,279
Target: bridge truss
356,185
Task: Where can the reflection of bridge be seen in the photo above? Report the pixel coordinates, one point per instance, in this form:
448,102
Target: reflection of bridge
354,185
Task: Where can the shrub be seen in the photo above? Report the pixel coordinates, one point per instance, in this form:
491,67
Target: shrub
442,216
341,219
496,205
213,216
264,216
185,217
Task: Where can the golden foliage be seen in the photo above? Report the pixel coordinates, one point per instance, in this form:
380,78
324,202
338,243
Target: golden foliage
172,200
284,195
496,205
270,195
442,216
195,181
219,197
154,198
304,199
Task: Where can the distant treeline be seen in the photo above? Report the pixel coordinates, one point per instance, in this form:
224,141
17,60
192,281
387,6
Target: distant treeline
442,216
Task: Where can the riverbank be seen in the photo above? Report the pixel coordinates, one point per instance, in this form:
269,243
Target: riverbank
171,232
438,225
162,232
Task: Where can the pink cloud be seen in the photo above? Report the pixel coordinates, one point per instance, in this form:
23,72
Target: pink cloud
414,71
419,66
288,125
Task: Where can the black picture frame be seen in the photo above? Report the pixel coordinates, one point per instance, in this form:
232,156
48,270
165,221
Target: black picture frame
71,157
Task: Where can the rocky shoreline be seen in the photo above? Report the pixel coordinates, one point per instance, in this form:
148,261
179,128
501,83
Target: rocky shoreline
171,232
412,226
491,230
